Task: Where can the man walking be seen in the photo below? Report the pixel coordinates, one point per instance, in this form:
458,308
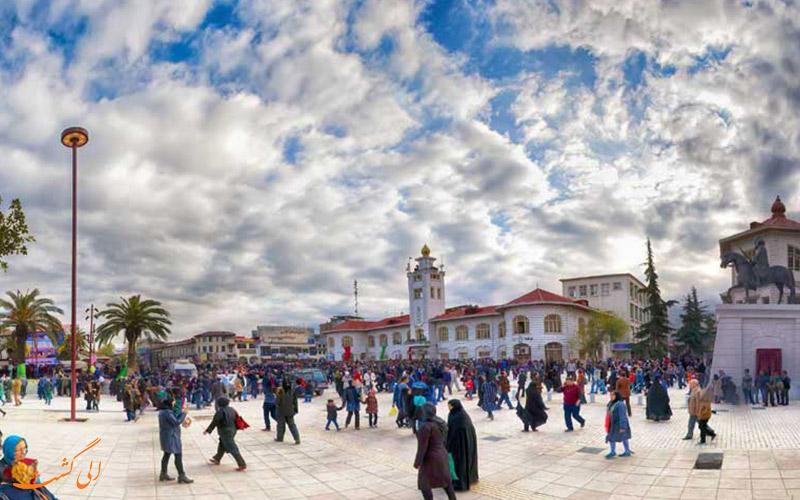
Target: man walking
692,408
505,388
286,403
624,388
747,387
572,403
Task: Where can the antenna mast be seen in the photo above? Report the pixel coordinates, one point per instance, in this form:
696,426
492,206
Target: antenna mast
355,290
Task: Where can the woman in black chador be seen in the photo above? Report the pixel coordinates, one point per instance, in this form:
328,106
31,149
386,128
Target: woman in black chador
462,443
534,405
658,402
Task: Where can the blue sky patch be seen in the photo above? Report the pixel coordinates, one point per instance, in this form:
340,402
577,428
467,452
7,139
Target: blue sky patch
502,119
711,58
292,149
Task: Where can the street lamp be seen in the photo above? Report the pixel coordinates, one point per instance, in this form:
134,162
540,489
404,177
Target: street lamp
74,138
92,315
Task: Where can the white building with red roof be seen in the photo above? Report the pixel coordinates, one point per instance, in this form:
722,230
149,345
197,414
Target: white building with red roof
537,325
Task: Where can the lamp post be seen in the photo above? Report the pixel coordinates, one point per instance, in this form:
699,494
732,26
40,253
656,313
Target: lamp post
92,315
74,138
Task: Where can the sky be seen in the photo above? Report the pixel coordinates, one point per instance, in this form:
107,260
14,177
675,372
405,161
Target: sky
250,159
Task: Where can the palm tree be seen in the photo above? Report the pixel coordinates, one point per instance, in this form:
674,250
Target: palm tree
27,313
136,318
64,350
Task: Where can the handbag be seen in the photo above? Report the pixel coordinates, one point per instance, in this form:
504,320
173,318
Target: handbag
452,463
240,423
393,412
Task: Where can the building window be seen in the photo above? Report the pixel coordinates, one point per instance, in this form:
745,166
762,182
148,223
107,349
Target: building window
417,277
463,355
521,325
434,276
408,335
433,293
633,291
571,292
593,290
501,330
420,333
482,331
384,340
347,341
632,312
462,333
397,338
370,341
444,355
484,354
794,258
582,290
444,334
617,285
605,289
439,293
552,323
417,293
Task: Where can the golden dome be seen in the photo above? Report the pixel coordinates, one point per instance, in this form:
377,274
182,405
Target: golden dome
426,252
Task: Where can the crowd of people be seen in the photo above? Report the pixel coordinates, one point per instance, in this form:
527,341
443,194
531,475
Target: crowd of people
447,454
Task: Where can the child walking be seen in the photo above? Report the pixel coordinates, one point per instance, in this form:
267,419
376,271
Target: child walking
333,415
372,409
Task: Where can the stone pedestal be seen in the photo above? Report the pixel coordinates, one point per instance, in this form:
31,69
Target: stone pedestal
744,328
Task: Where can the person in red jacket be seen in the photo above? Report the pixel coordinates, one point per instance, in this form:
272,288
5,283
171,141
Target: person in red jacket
572,403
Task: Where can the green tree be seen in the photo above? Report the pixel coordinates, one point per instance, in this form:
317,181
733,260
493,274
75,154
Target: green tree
14,235
135,318
652,338
692,333
710,331
27,313
603,329
105,351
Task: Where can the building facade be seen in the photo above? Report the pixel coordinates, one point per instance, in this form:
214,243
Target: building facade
537,325
620,294
213,346
164,353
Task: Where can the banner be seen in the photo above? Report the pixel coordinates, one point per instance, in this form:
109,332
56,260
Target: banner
383,353
410,353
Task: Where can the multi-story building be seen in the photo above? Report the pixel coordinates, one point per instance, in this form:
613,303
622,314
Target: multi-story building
246,350
620,294
164,353
215,345
537,325
285,342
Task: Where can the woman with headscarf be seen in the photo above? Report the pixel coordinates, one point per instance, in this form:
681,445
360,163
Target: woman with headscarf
225,422
658,408
14,448
17,468
169,433
462,444
618,428
489,399
534,405
431,460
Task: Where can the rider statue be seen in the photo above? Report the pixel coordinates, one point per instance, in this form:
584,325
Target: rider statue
760,261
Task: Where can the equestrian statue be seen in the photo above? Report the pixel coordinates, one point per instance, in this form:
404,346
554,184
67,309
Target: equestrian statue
756,272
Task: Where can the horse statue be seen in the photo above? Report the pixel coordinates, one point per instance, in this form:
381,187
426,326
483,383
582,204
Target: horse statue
746,276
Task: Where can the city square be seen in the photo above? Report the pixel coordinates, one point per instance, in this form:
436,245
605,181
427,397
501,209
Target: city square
399,249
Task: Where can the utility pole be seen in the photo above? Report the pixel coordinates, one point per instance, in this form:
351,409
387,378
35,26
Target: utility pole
355,289
91,311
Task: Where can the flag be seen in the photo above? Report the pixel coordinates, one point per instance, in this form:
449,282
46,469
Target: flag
347,353
123,373
383,353
410,353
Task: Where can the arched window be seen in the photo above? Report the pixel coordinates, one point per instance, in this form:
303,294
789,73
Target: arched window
384,340
444,334
552,323
331,342
370,341
482,332
521,325
420,334
397,338
501,330
794,259
347,341
462,333
581,325
408,335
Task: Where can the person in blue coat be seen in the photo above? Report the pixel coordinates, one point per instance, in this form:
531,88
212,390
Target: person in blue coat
618,428
169,432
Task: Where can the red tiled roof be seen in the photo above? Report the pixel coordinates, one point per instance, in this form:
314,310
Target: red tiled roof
216,334
467,311
354,325
778,218
540,295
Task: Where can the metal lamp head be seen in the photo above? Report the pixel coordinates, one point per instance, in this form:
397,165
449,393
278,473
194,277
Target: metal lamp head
74,137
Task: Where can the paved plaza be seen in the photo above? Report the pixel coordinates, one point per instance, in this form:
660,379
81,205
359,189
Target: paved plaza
761,456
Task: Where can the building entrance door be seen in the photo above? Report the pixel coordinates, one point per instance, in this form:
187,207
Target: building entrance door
553,352
768,360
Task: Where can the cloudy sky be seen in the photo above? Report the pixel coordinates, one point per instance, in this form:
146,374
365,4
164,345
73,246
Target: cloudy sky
249,159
